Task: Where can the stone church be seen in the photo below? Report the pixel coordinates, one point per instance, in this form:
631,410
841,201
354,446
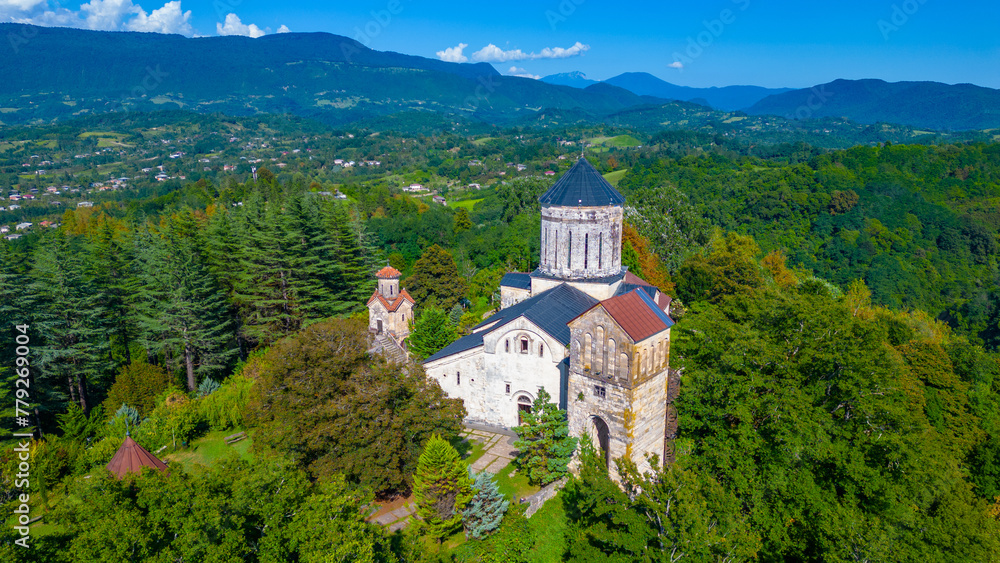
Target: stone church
595,336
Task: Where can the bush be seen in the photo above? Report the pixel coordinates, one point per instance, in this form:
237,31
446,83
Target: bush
226,407
137,385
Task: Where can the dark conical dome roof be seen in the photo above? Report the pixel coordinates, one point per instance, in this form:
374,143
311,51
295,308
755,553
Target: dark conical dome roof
582,186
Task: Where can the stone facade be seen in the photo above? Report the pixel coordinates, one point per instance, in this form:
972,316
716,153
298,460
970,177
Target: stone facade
581,242
390,309
503,373
617,388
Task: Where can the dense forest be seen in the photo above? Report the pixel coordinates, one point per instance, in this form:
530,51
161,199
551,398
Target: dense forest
837,334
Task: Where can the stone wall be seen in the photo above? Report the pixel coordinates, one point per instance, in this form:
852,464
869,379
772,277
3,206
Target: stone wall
490,379
581,242
619,383
397,322
512,296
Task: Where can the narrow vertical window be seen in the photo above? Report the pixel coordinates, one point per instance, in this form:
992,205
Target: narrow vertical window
458,378
507,387
506,345
586,249
557,250
541,350
600,250
569,251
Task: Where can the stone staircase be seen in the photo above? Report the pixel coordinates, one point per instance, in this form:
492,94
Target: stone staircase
390,349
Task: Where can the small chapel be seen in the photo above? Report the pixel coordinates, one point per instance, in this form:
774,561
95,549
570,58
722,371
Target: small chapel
594,335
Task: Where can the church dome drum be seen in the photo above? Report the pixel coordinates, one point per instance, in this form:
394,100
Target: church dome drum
581,226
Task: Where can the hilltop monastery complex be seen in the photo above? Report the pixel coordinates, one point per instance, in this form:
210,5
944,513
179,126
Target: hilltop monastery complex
595,336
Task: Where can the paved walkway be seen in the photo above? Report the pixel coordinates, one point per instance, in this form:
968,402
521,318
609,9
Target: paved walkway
499,446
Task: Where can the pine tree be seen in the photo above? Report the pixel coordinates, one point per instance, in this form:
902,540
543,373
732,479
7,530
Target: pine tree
485,511
545,445
182,308
441,486
435,280
432,331
112,271
74,352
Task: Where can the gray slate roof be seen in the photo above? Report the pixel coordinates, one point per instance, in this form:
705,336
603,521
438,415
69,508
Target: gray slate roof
516,279
550,310
582,186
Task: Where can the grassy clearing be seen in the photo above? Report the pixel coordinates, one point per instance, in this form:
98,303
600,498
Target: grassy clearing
515,487
482,140
467,203
623,141
614,177
206,450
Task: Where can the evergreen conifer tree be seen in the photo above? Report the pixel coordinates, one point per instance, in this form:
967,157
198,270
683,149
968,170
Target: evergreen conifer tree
69,310
485,511
435,280
183,310
432,331
544,441
442,487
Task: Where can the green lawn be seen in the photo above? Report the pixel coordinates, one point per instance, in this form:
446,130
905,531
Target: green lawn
205,450
482,140
466,203
614,177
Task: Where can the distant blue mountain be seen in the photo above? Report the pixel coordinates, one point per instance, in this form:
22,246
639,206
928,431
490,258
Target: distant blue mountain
929,105
575,79
728,98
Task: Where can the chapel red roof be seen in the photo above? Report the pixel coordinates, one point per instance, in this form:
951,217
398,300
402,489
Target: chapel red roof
395,303
634,315
131,458
635,280
387,273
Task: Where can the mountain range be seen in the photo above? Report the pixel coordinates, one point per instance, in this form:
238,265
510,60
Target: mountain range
58,73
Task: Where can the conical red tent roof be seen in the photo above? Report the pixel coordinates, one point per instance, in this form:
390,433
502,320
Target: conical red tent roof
131,458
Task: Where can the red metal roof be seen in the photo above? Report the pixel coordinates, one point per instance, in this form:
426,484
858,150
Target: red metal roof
388,272
131,458
635,280
632,313
395,303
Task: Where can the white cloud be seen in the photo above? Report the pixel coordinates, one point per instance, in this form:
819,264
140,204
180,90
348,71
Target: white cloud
9,6
234,26
453,54
168,19
676,64
284,29
493,54
107,15
104,15
516,71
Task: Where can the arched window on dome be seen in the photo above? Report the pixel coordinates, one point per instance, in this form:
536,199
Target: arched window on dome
611,357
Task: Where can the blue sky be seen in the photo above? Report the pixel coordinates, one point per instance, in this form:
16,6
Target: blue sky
710,43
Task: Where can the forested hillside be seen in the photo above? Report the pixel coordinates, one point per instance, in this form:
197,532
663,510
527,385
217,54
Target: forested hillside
836,336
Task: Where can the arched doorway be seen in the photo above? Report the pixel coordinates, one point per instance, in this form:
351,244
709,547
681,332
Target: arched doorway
523,407
600,436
